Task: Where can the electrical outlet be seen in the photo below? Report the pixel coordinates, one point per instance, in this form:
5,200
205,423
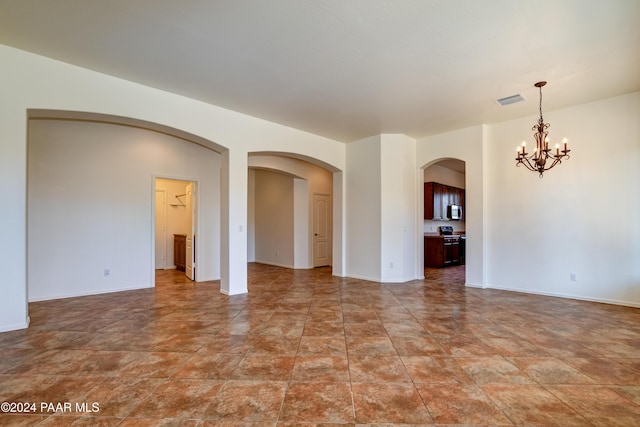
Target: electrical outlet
390,265
572,277
106,272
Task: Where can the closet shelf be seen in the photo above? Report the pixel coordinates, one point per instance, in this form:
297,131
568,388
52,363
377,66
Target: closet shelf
181,203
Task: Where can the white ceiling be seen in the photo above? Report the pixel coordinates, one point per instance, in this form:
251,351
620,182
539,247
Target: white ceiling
348,69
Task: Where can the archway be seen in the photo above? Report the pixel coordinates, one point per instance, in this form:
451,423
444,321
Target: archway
312,179
91,198
444,212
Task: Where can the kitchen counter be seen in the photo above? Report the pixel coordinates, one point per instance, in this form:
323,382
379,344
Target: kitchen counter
440,236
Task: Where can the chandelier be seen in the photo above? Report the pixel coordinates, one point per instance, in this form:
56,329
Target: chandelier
543,158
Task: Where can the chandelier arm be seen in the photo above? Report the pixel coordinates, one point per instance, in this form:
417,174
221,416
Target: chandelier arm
555,162
525,161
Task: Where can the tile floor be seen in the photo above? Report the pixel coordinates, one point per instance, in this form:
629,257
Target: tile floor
304,348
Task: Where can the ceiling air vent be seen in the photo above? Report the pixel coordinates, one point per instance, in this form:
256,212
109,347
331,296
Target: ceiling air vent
510,100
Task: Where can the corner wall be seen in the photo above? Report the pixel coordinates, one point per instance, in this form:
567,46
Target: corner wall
363,202
399,209
382,222
274,218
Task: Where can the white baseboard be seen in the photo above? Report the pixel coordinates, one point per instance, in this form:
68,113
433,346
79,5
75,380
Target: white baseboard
568,296
15,326
474,285
87,293
275,264
401,281
244,291
370,279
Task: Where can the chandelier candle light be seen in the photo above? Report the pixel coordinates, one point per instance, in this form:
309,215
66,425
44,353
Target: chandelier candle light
542,158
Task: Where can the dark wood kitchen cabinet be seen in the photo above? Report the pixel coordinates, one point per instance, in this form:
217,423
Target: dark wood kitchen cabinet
179,251
441,251
433,201
437,197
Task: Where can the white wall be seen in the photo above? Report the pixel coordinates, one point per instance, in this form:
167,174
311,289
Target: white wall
251,216
320,178
302,249
382,220
583,217
274,238
339,226
444,175
35,82
398,209
91,206
362,202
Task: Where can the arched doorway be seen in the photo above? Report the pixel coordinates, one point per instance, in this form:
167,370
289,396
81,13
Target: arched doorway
90,221
306,216
444,249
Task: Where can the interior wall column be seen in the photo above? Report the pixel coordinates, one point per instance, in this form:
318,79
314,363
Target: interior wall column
233,218
13,184
339,240
397,208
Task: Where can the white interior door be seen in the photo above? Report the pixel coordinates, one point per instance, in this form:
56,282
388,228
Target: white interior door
321,230
190,259
161,229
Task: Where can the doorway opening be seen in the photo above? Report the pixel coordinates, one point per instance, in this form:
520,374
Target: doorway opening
444,221
176,225
290,212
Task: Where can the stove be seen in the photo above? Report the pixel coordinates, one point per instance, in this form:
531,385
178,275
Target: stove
446,230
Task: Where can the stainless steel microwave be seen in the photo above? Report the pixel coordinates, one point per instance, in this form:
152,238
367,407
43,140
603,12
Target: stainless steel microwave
454,212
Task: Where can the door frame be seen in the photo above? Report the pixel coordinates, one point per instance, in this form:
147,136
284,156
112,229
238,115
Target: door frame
190,250
196,215
155,237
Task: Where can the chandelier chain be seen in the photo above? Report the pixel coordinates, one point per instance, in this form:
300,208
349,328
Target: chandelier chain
540,104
